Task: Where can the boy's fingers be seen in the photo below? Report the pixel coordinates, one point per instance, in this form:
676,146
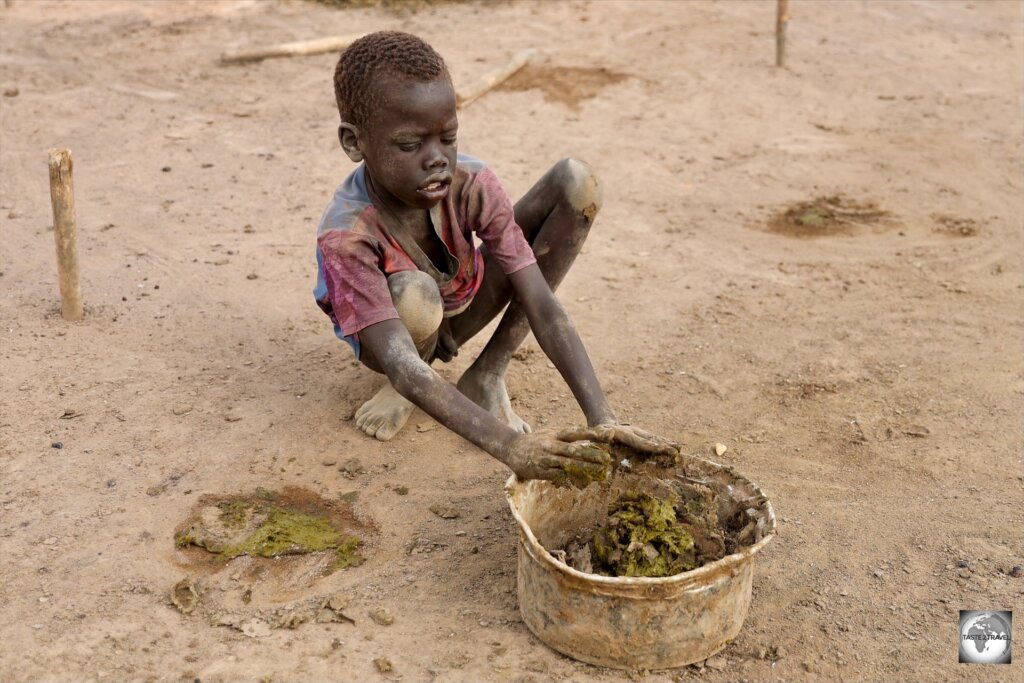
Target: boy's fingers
577,453
603,434
633,437
580,450
591,454
651,444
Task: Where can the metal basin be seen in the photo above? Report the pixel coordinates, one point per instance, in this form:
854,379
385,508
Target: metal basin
627,623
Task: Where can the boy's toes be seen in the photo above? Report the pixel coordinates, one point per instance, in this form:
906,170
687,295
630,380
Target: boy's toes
384,415
515,422
387,431
370,426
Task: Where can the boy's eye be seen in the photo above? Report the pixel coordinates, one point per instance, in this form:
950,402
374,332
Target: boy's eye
408,146
449,141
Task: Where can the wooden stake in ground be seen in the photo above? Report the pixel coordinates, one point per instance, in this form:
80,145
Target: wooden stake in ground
466,96
65,233
302,47
781,20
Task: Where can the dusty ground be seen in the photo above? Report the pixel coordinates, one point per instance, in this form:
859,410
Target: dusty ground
871,380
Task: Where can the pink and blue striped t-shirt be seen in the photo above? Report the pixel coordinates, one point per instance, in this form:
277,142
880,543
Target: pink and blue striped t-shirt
355,253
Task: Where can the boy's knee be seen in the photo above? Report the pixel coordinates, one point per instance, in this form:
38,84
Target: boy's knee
418,302
581,187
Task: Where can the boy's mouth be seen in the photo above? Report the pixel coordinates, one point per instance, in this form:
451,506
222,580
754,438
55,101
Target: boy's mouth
436,187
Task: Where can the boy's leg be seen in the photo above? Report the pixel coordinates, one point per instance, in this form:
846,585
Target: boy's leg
555,215
419,305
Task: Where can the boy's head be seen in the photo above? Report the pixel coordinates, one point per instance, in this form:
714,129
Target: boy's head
397,109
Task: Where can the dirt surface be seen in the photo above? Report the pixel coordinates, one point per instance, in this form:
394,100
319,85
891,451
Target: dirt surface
871,382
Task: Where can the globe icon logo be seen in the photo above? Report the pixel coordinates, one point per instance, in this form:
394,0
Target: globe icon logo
985,637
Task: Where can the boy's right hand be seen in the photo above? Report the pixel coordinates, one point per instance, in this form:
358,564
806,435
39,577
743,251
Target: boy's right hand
542,455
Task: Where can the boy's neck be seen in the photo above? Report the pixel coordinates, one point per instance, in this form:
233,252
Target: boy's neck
406,217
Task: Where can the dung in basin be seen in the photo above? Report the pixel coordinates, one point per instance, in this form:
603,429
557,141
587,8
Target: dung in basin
633,622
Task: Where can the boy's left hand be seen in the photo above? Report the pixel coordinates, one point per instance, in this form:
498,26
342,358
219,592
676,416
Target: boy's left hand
625,434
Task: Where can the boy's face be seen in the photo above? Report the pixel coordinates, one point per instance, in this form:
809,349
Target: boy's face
409,144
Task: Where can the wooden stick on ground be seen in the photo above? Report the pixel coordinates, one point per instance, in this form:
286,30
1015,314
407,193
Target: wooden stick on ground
466,96
781,21
62,197
301,47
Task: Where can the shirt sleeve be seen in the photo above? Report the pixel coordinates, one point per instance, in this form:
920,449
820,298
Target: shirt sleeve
495,222
356,285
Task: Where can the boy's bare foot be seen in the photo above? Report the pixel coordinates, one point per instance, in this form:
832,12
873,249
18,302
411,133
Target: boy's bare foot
488,391
384,414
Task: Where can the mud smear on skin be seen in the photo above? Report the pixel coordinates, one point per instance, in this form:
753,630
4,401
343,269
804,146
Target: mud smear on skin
830,216
568,85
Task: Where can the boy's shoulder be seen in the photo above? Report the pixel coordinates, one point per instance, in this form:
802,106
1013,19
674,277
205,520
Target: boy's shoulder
348,203
469,164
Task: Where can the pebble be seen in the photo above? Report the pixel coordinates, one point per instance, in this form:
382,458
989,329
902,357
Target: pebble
381,616
328,463
879,573
446,511
964,573
252,276
401,490
181,408
962,563
716,663
56,444
352,468
720,448
1017,571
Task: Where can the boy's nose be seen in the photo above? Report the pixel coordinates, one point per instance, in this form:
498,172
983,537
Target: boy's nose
436,158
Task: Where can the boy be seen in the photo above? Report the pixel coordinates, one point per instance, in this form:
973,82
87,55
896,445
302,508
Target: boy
404,285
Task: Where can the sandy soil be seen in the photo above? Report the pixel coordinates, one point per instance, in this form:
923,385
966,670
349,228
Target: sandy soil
870,380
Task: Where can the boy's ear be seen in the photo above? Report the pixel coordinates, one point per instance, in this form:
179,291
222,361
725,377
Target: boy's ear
348,136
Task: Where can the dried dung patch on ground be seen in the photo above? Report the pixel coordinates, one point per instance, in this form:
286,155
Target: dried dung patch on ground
401,6
269,524
830,216
568,85
955,226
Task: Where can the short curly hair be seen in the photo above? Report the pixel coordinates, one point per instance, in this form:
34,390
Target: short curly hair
365,63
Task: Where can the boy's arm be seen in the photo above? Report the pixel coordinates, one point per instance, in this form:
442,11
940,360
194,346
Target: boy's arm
558,339
531,456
